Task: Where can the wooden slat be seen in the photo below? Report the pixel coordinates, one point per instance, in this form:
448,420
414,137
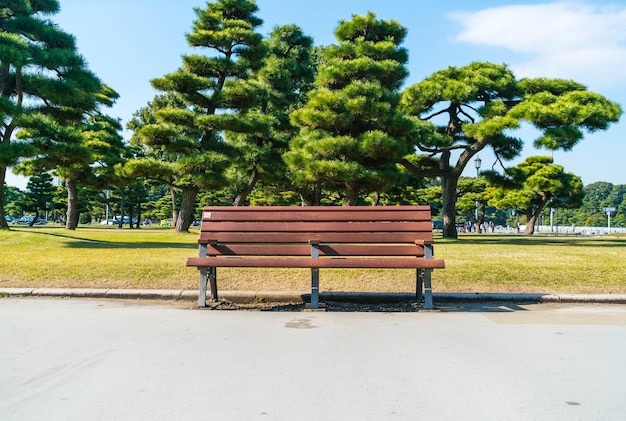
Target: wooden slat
317,213
255,226
304,237
305,250
281,262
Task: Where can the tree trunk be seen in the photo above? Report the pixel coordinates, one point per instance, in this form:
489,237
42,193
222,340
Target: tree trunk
532,217
31,223
71,215
352,195
311,197
174,209
187,205
530,223
3,222
131,210
138,225
120,223
448,192
376,200
252,180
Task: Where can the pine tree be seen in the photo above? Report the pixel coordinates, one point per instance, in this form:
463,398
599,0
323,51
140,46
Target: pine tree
81,153
43,79
352,133
463,110
282,83
532,185
218,94
39,194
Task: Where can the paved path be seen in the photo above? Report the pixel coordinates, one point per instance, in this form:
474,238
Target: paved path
91,359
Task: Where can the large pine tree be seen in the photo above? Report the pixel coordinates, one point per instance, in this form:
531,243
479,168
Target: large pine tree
217,89
352,134
81,152
43,79
282,84
464,110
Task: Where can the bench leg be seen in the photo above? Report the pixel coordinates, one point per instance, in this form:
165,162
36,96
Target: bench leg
202,287
315,287
419,285
213,279
426,277
206,275
315,275
428,290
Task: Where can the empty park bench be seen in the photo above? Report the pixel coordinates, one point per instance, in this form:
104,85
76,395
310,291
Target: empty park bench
316,237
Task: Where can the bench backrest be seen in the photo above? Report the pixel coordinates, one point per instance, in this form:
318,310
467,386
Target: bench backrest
340,231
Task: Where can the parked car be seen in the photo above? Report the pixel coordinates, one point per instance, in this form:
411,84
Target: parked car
26,220
438,224
116,221
9,218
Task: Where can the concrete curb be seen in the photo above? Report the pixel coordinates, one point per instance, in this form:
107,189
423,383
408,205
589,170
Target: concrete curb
302,297
531,298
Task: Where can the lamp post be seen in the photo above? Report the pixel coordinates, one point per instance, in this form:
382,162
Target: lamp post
107,192
477,163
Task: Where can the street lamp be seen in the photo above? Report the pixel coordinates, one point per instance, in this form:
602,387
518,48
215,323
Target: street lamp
477,163
107,193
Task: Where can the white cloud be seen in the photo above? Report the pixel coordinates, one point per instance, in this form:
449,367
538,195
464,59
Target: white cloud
582,41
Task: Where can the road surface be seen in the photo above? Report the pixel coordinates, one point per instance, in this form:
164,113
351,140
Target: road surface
91,359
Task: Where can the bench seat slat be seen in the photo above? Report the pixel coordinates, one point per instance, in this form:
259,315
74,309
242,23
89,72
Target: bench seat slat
304,237
338,263
305,250
344,226
318,213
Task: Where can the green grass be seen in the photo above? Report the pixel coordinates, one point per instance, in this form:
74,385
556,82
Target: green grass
533,264
154,258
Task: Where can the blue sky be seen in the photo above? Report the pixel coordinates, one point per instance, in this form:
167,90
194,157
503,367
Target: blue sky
129,42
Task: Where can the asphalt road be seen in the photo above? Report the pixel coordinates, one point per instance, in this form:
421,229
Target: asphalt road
90,359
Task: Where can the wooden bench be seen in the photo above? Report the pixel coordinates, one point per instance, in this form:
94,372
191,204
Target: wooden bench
381,237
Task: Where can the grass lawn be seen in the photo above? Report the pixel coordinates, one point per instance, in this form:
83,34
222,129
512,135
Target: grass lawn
154,258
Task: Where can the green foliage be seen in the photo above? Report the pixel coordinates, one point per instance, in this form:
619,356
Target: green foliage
352,133
180,134
13,201
598,196
479,105
534,184
281,85
47,93
39,192
85,153
561,110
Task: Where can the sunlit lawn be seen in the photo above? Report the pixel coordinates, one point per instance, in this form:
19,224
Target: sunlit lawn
154,258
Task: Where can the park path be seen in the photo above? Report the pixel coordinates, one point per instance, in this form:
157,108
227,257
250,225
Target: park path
77,359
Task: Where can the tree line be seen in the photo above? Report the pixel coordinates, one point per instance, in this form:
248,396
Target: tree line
150,203
253,119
